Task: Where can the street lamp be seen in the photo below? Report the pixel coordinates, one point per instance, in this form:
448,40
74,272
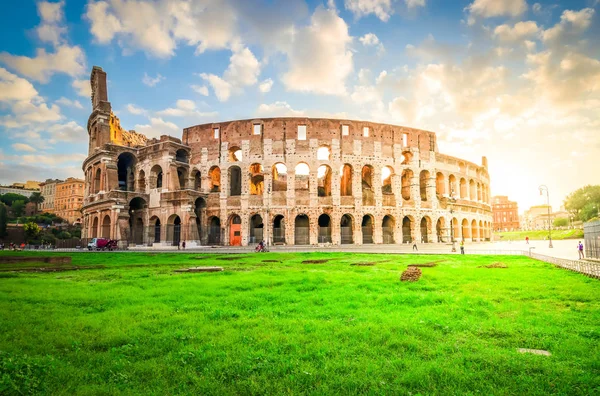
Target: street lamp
543,188
452,201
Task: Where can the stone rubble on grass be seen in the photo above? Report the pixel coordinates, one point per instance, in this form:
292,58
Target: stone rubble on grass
412,274
534,351
200,269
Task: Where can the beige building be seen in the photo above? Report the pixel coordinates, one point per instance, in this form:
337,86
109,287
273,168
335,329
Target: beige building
68,199
48,189
536,218
294,181
28,185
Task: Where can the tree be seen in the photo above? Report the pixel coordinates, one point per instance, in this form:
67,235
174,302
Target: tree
560,222
9,198
3,220
37,198
32,231
17,208
584,202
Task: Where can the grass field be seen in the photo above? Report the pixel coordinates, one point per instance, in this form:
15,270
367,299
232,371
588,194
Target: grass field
540,235
130,325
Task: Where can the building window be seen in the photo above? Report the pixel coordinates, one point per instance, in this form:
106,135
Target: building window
405,139
216,132
257,128
345,130
301,132
366,131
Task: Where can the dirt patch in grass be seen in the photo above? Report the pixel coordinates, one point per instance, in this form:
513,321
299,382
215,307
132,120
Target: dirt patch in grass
314,261
494,265
228,258
425,265
364,264
199,258
201,269
412,274
51,269
271,261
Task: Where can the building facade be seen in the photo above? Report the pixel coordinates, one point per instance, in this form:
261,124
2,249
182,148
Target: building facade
16,190
537,218
295,181
68,199
505,213
48,190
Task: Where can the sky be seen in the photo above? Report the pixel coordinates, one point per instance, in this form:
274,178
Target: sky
516,81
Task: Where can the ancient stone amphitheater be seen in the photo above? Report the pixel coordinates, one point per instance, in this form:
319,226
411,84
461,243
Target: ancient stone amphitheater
294,181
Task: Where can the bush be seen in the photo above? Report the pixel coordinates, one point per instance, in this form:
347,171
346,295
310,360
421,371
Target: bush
32,231
64,235
562,222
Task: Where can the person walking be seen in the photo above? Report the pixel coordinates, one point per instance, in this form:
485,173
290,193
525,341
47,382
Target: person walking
580,250
183,245
462,247
415,246
527,240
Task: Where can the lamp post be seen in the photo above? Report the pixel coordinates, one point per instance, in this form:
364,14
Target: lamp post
452,201
543,188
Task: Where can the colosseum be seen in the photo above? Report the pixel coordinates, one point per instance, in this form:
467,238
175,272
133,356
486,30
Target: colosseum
292,181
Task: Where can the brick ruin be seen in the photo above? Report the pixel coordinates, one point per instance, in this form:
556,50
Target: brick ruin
295,181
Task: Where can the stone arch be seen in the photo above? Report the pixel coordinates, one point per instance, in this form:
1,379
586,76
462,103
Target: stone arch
367,229
156,177
95,227
302,230
452,185
368,194
463,188
182,155
347,229
136,211
440,184
455,229
174,230
440,227
280,176
425,229
105,231
302,173
196,180
257,179
235,181
141,181
155,229
407,176
465,231
474,231
235,230
387,177
479,194
98,181
279,229
214,230
407,157
408,228
256,229
200,212
472,190
346,180
388,226
423,181
182,176
323,153
324,181
214,175
125,171
324,223
235,154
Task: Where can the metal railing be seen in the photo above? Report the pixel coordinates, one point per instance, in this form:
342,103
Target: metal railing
591,232
581,266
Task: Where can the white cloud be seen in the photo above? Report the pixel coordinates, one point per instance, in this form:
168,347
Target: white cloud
571,25
495,8
414,3
243,70
69,132
278,109
83,88
201,89
152,81
184,108
133,109
266,85
15,88
320,59
381,8
52,16
51,159
516,33
23,147
157,127
68,102
369,39
67,60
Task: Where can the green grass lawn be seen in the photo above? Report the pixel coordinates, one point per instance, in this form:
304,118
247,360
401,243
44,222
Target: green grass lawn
131,325
540,235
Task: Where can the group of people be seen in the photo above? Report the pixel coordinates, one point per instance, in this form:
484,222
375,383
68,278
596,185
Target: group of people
181,245
12,246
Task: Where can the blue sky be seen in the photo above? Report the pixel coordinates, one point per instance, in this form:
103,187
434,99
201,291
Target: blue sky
515,80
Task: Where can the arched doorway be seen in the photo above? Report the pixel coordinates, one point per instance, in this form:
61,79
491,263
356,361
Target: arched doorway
387,226
368,193
465,232
302,230
105,233
346,230
125,172
174,230
136,221
346,180
235,181
425,224
155,222
440,227
367,229
214,231
324,181
278,230
474,231
94,233
407,227
324,228
235,231
200,211
256,229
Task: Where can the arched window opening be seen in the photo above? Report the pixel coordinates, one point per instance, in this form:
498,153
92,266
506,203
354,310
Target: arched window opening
465,231
174,230
346,180
105,232
235,181
302,177
474,231
156,177
94,233
215,179
279,230
407,176
301,230
256,229
346,230
367,229
452,186
368,195
324,229
214,231
387,226
425,227
387,174
440,187
125,171
472,190
440,229
324,181
182,156
98,181
423,181
463,188
235,154
182,177
156,229
407,229
406,157
197,180
279,177
323,153
257,179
